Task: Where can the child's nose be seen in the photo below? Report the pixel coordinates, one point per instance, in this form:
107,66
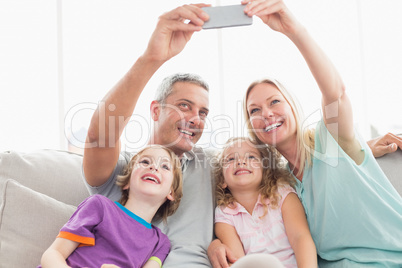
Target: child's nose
153,167
241,162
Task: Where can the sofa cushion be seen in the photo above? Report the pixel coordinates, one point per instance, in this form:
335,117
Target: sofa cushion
391,164
53,173
29,223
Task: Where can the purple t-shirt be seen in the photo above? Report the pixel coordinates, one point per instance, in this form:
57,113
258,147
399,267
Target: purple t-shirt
110,233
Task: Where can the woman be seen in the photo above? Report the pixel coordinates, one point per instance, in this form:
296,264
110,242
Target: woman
354,213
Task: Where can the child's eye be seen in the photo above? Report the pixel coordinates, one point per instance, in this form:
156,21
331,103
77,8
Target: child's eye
228,160
166,167
252,157
144,162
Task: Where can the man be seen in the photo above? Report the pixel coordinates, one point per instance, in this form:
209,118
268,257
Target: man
179,112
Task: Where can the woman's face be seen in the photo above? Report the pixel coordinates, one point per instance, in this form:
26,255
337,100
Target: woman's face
270,115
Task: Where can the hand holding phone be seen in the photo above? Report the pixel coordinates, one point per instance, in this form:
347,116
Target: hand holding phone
226,16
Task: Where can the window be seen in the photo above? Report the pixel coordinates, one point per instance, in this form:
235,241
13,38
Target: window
58,59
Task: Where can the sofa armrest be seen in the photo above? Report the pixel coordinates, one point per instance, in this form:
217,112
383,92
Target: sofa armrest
39,191
391,164
29,223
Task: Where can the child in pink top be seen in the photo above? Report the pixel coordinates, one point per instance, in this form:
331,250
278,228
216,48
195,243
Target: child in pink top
258,210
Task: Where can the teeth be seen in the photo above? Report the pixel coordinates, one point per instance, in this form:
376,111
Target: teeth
186,132
242,172
151,179
272,127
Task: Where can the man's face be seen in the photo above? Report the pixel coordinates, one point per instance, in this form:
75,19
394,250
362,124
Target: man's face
179,122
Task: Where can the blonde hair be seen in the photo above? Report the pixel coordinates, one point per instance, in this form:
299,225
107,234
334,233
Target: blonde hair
305,139
273,176
169,206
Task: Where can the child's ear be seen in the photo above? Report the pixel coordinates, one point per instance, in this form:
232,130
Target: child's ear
170,196
126,187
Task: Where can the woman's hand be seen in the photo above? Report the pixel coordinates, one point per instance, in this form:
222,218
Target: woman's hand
274,13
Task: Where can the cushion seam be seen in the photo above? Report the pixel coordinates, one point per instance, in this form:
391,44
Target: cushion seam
3,204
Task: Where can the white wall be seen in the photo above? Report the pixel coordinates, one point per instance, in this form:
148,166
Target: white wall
55,73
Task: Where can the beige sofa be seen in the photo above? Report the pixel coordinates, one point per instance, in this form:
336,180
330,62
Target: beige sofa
40,190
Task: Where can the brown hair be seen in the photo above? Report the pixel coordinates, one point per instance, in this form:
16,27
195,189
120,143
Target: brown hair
169,206
273,176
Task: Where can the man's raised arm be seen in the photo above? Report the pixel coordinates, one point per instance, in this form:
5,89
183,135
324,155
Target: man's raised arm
112,115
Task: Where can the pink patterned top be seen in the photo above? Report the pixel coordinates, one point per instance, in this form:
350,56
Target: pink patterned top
266,235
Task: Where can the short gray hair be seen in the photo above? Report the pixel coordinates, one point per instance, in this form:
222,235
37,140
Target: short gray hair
166,87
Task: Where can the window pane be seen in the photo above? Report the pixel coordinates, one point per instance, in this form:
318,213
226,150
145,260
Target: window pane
28,75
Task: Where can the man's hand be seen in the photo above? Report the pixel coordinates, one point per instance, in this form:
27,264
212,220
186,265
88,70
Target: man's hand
388,143
174,30
220,255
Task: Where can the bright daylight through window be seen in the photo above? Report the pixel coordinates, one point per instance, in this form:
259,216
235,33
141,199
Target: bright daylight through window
59,58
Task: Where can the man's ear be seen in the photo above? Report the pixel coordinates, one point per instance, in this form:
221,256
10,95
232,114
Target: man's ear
170,196
155,110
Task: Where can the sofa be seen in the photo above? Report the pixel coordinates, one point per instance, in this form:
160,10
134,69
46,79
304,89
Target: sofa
40,190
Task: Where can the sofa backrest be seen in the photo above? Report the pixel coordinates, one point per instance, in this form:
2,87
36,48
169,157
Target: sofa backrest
40,190
57,174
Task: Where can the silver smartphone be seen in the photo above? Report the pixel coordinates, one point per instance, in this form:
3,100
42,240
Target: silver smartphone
226,16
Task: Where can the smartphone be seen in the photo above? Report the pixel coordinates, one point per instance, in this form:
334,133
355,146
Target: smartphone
226,16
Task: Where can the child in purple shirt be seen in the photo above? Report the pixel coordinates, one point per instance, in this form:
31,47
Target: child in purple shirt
102,232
